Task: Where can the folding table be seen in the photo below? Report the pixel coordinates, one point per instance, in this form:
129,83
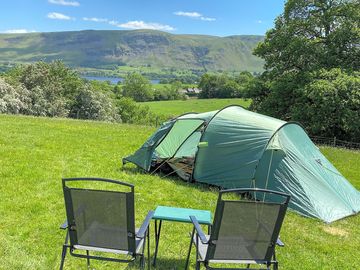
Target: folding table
176,214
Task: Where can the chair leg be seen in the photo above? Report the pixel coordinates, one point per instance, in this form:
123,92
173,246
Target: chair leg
64,250
63,254
197,267
276,266
148,248
189,252
87,260
142,262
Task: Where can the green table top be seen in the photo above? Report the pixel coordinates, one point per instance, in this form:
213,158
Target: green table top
182,214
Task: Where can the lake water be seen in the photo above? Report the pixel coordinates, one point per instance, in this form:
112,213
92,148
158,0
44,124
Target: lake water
112,80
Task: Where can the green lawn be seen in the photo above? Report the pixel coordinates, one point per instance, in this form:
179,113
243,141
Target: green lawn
36,152
175,107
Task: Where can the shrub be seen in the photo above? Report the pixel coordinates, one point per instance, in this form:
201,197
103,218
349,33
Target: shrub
137,87
331,104
13,99
94,105
133,113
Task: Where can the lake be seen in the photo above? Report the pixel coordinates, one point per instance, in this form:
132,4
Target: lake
112,80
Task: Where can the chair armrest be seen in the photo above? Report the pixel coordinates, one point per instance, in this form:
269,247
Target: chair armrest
279,243
145,225
198,229
64,225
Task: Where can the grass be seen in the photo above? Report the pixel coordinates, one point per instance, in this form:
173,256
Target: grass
36,152
175,107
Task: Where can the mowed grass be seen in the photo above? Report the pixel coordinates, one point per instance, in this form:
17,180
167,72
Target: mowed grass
36,152
173,108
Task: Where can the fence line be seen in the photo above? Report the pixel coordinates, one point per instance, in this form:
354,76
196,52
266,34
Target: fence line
334,142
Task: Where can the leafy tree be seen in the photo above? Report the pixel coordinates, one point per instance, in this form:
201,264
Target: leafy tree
137,87
208,84
310,35
47,102
133,113
102,86
310,40
93,104
331,105
169,92
52,87
224,86
228,88
13,99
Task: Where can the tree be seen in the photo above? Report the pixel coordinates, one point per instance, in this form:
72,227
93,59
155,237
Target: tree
331,105
93,104
51,87
310,35
208,84
223,85
13,99
169,92
137,87
132,112
310,39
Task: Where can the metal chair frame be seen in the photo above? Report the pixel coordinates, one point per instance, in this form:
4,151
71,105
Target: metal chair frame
143,233
270,258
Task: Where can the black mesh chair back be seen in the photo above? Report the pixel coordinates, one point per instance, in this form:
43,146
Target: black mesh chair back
100,218
246,229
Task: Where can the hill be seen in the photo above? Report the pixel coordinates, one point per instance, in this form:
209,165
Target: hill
36,152
110,49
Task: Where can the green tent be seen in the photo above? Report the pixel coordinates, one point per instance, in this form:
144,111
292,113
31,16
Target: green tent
237,148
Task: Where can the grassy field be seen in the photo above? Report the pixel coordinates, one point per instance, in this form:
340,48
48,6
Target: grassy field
176,107
36,152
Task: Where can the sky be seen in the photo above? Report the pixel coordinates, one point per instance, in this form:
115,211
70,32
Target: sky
208,17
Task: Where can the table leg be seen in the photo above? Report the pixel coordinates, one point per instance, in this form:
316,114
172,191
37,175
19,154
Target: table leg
189,252
157,239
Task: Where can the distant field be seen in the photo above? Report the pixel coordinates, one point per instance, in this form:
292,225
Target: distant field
176,107
36,152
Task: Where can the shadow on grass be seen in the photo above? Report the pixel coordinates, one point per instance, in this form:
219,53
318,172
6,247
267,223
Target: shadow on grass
167,263
161,263
131,170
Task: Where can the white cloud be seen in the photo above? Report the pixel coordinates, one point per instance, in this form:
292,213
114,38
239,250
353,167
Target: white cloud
94,19
259,21
188,14
58,16
142,25
194,15
207,19
18,31
65,3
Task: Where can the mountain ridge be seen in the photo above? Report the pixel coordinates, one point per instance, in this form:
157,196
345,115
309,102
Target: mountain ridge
111,48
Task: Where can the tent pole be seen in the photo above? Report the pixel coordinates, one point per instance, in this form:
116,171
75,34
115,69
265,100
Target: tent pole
268,173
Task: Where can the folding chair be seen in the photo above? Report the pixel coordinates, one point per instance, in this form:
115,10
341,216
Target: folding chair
102,221
243,232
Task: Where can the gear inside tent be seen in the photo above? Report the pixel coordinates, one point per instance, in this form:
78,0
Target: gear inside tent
237,148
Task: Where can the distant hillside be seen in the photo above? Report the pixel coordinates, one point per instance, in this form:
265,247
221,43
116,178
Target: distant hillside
108,49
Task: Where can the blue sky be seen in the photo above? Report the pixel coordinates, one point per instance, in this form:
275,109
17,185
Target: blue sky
210,17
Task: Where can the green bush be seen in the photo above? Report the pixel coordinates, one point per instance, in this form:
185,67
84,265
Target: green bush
225,86
51,87
133,113
137,87
311,58
94,105
13,100
331,104
169,92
